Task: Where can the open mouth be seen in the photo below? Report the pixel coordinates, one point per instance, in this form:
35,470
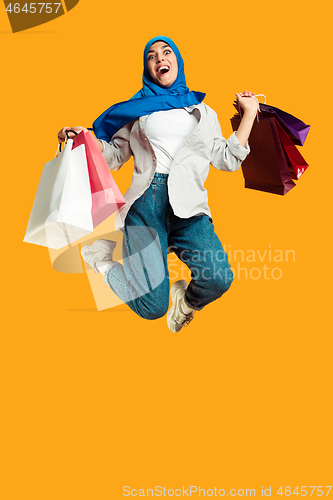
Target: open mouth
162,70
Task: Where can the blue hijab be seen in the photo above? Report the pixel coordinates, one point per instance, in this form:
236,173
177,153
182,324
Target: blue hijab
149,99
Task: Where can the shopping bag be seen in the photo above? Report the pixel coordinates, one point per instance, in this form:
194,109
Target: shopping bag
295,128
61,213
106,196
266,167
296,162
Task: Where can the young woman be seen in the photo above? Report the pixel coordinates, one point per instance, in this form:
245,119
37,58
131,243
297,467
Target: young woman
173,137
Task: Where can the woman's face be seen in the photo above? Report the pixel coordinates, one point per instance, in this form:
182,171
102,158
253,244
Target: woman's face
162,64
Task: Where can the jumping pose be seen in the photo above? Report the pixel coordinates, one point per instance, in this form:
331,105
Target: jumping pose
173,137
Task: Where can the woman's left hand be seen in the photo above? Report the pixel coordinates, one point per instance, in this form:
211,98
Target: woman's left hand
247,102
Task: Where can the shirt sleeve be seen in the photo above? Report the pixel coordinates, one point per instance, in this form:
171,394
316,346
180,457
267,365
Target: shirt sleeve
118,150
227,154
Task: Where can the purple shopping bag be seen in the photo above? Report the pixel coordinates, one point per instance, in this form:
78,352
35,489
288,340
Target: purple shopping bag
295,128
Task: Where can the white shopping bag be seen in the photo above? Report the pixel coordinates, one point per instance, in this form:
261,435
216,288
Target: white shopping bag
61,213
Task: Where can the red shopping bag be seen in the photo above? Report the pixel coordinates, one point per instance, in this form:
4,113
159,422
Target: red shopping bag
266,167
297,164
106,197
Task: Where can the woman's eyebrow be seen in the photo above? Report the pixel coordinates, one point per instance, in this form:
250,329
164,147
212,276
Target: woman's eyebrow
164,46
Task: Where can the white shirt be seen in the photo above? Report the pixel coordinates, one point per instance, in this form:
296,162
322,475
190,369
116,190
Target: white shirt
166,132
190,166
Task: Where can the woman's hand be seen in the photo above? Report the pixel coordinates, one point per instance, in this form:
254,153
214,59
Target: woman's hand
249,106
247,102
62,134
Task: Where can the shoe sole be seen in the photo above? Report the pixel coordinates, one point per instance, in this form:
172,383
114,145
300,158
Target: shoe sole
179,285
104,245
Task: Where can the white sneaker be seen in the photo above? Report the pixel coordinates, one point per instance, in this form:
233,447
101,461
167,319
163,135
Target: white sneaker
176,318
99,251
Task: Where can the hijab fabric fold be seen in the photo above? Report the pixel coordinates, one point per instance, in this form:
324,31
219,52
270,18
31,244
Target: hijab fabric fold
149,99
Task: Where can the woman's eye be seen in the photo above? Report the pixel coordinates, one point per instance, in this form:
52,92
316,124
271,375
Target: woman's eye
167,51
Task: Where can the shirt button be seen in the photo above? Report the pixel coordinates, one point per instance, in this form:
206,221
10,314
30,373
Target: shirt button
154,158
146,139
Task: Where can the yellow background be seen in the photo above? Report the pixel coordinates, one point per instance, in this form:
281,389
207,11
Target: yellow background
242,398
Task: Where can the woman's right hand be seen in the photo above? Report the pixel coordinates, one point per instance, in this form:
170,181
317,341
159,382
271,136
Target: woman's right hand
62,133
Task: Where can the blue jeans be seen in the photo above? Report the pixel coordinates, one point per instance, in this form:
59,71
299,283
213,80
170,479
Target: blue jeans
151,228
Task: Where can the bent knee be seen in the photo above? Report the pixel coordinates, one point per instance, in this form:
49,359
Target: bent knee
152,311
221,280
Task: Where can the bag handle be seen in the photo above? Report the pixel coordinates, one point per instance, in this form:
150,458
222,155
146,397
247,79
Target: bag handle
259,95
66,131
76,133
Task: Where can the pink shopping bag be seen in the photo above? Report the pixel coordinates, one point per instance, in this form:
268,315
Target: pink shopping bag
106,197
